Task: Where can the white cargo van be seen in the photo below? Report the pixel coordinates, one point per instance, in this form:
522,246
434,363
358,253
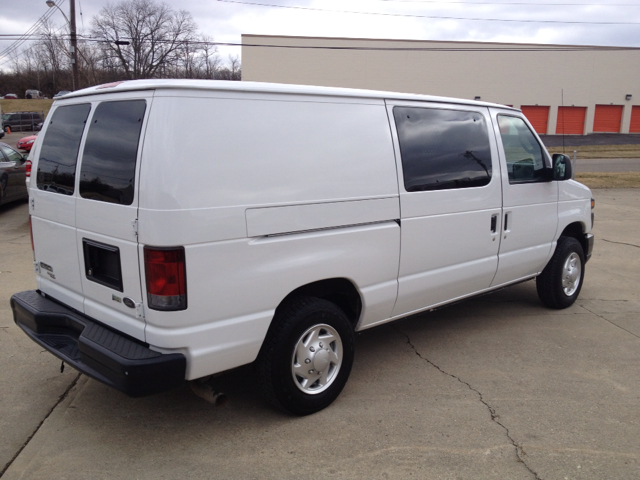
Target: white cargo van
184,228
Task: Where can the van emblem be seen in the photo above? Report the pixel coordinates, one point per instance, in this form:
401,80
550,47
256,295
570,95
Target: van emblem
46,267
129,303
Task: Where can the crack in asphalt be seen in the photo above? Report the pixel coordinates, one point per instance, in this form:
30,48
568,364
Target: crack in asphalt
609,321
24,445
519,451
621,243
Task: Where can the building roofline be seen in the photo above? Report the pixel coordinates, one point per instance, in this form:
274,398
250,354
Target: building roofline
450,42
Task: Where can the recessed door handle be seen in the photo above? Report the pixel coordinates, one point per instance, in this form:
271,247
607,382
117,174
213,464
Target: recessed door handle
494,223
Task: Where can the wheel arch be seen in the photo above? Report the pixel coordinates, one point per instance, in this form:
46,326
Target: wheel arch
576,230
339,291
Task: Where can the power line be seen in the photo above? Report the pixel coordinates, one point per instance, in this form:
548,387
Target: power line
497,48
27,35
31,36
432,17
506,4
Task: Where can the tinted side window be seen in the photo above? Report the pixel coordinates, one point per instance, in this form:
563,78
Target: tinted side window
442,149
525,160
59,152
109,160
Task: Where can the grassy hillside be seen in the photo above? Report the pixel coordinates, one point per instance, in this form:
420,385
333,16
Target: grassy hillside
19,105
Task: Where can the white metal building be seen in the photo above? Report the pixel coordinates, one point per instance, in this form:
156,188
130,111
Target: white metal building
575,89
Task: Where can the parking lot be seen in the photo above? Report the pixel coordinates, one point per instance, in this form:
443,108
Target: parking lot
495,387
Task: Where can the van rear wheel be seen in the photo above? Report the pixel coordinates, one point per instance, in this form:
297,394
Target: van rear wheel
306,358
560,282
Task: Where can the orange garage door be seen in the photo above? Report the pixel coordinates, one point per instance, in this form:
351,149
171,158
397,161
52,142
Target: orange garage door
608,118
635,120
571,120
538,116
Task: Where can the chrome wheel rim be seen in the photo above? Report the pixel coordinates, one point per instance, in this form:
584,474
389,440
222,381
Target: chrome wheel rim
317,358
571,274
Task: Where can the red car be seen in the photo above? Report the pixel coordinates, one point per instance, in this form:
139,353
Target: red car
25,143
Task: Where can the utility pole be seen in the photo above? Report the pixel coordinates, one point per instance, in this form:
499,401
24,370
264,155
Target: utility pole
73,39
74,44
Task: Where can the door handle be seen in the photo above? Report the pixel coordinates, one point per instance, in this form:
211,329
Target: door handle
494,223
506,223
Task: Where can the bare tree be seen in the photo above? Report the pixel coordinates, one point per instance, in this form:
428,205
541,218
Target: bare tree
156,36
210,60
162,43
53,55
234,66
232,71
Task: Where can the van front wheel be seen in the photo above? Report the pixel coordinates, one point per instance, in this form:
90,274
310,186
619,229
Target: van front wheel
306,357
560,282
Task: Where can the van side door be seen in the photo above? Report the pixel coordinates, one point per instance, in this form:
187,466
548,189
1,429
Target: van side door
450,202
530,199
107,211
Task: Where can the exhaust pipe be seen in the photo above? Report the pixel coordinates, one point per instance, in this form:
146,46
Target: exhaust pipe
205,391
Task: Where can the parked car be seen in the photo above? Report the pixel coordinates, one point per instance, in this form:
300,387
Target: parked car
61,93
10,96
12,174
284,238
26,143
21,121
33,94
1,131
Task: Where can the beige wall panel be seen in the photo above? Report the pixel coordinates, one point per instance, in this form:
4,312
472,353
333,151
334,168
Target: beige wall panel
552,77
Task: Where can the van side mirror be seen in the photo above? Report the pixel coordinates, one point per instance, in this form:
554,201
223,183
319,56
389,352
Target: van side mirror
562,168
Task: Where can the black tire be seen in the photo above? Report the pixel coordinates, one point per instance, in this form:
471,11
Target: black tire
320,330
560,282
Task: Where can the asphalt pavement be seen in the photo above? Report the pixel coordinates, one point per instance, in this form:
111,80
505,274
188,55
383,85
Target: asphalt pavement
497,387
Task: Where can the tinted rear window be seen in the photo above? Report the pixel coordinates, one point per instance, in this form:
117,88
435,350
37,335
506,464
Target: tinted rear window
442,149
109,160
59,151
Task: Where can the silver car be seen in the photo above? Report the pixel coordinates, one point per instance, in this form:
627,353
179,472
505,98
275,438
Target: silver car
12,174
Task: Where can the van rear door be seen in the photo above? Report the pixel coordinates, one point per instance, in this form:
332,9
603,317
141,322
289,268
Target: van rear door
53,204
107,212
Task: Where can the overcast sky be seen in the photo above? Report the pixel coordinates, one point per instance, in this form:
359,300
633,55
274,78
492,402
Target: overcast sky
573,22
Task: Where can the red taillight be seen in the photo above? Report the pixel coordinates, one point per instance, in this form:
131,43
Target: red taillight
166,277
28,167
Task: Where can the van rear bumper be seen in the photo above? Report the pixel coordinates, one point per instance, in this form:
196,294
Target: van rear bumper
106,355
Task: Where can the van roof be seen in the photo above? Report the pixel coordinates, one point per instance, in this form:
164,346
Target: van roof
258,87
